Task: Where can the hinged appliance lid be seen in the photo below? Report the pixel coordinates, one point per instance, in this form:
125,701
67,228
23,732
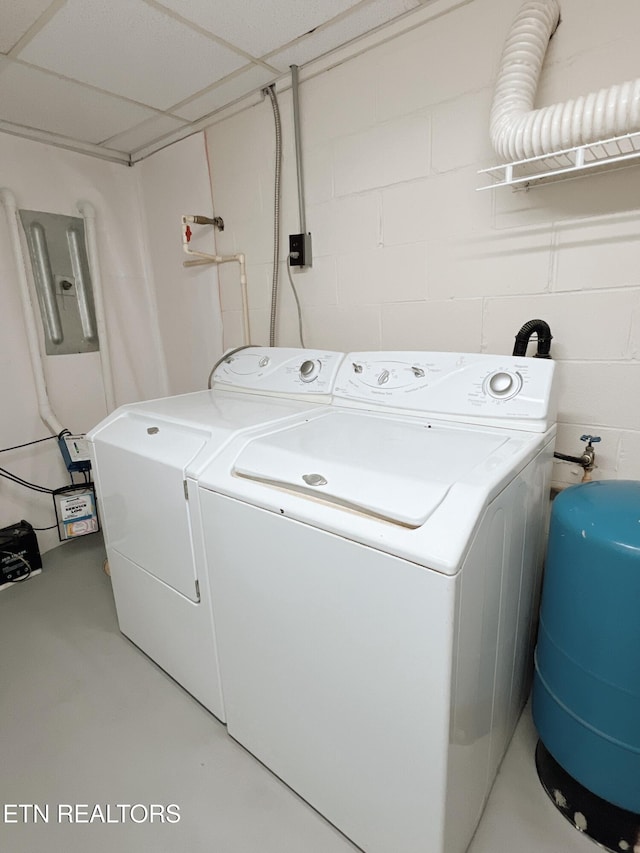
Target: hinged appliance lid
397,470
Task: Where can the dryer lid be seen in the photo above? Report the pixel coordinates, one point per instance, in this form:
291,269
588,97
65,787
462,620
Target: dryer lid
396,469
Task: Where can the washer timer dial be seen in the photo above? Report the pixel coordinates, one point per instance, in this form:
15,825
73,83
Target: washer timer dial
309,370
503,385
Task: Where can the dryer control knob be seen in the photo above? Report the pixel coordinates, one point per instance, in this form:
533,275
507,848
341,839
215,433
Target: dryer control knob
309,370
383,377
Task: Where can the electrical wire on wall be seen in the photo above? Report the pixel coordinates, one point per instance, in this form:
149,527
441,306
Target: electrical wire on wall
26,484
270,91
295,296
27,443
34,487
14,478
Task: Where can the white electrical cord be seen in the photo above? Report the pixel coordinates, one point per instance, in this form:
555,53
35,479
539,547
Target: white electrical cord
295,296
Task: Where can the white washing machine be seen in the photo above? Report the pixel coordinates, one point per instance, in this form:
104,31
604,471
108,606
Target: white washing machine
375,628
146,459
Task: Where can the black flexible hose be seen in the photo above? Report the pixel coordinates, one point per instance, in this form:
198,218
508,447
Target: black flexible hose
566,458
544,338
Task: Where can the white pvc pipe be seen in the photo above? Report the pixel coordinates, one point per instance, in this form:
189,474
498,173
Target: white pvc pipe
517,130
88,213
44,407
245,299
201,258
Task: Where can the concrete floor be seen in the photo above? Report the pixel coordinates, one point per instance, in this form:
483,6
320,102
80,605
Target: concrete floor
86,718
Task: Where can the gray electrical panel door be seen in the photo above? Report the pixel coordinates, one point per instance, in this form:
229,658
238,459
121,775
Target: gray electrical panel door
63,282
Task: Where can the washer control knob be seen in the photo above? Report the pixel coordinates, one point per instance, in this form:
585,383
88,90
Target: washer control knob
309,370
502,384
383,377
417,371
264,361
357,368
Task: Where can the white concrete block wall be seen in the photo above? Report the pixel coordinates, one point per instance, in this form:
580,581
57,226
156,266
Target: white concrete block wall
407,255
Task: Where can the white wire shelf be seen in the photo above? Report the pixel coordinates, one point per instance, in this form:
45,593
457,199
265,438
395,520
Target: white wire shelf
571,162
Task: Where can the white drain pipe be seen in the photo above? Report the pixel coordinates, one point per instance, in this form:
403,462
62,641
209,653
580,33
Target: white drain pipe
517,130
88,213
201,258
44,407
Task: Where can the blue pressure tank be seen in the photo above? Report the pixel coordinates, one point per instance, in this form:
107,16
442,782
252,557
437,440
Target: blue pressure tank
586,692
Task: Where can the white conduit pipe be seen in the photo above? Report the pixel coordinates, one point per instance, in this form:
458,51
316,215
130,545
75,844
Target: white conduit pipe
517,130
201,258
243,291
44,407
88,213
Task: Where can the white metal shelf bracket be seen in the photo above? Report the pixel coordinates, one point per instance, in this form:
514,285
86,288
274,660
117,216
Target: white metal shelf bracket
595,157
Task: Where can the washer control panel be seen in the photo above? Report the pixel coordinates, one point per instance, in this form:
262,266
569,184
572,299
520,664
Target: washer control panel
386,373
462,386
279,370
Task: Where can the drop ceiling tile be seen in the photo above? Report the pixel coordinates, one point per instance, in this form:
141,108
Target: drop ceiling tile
259,26
33,98
131,49
225,93
16,17
143,134
359,22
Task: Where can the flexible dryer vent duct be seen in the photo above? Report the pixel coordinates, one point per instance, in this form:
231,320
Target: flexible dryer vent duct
517,130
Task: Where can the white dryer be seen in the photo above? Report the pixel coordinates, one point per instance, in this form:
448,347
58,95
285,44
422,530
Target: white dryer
146,459
375,628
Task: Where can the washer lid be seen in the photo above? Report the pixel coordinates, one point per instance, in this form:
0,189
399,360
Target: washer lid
395,469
